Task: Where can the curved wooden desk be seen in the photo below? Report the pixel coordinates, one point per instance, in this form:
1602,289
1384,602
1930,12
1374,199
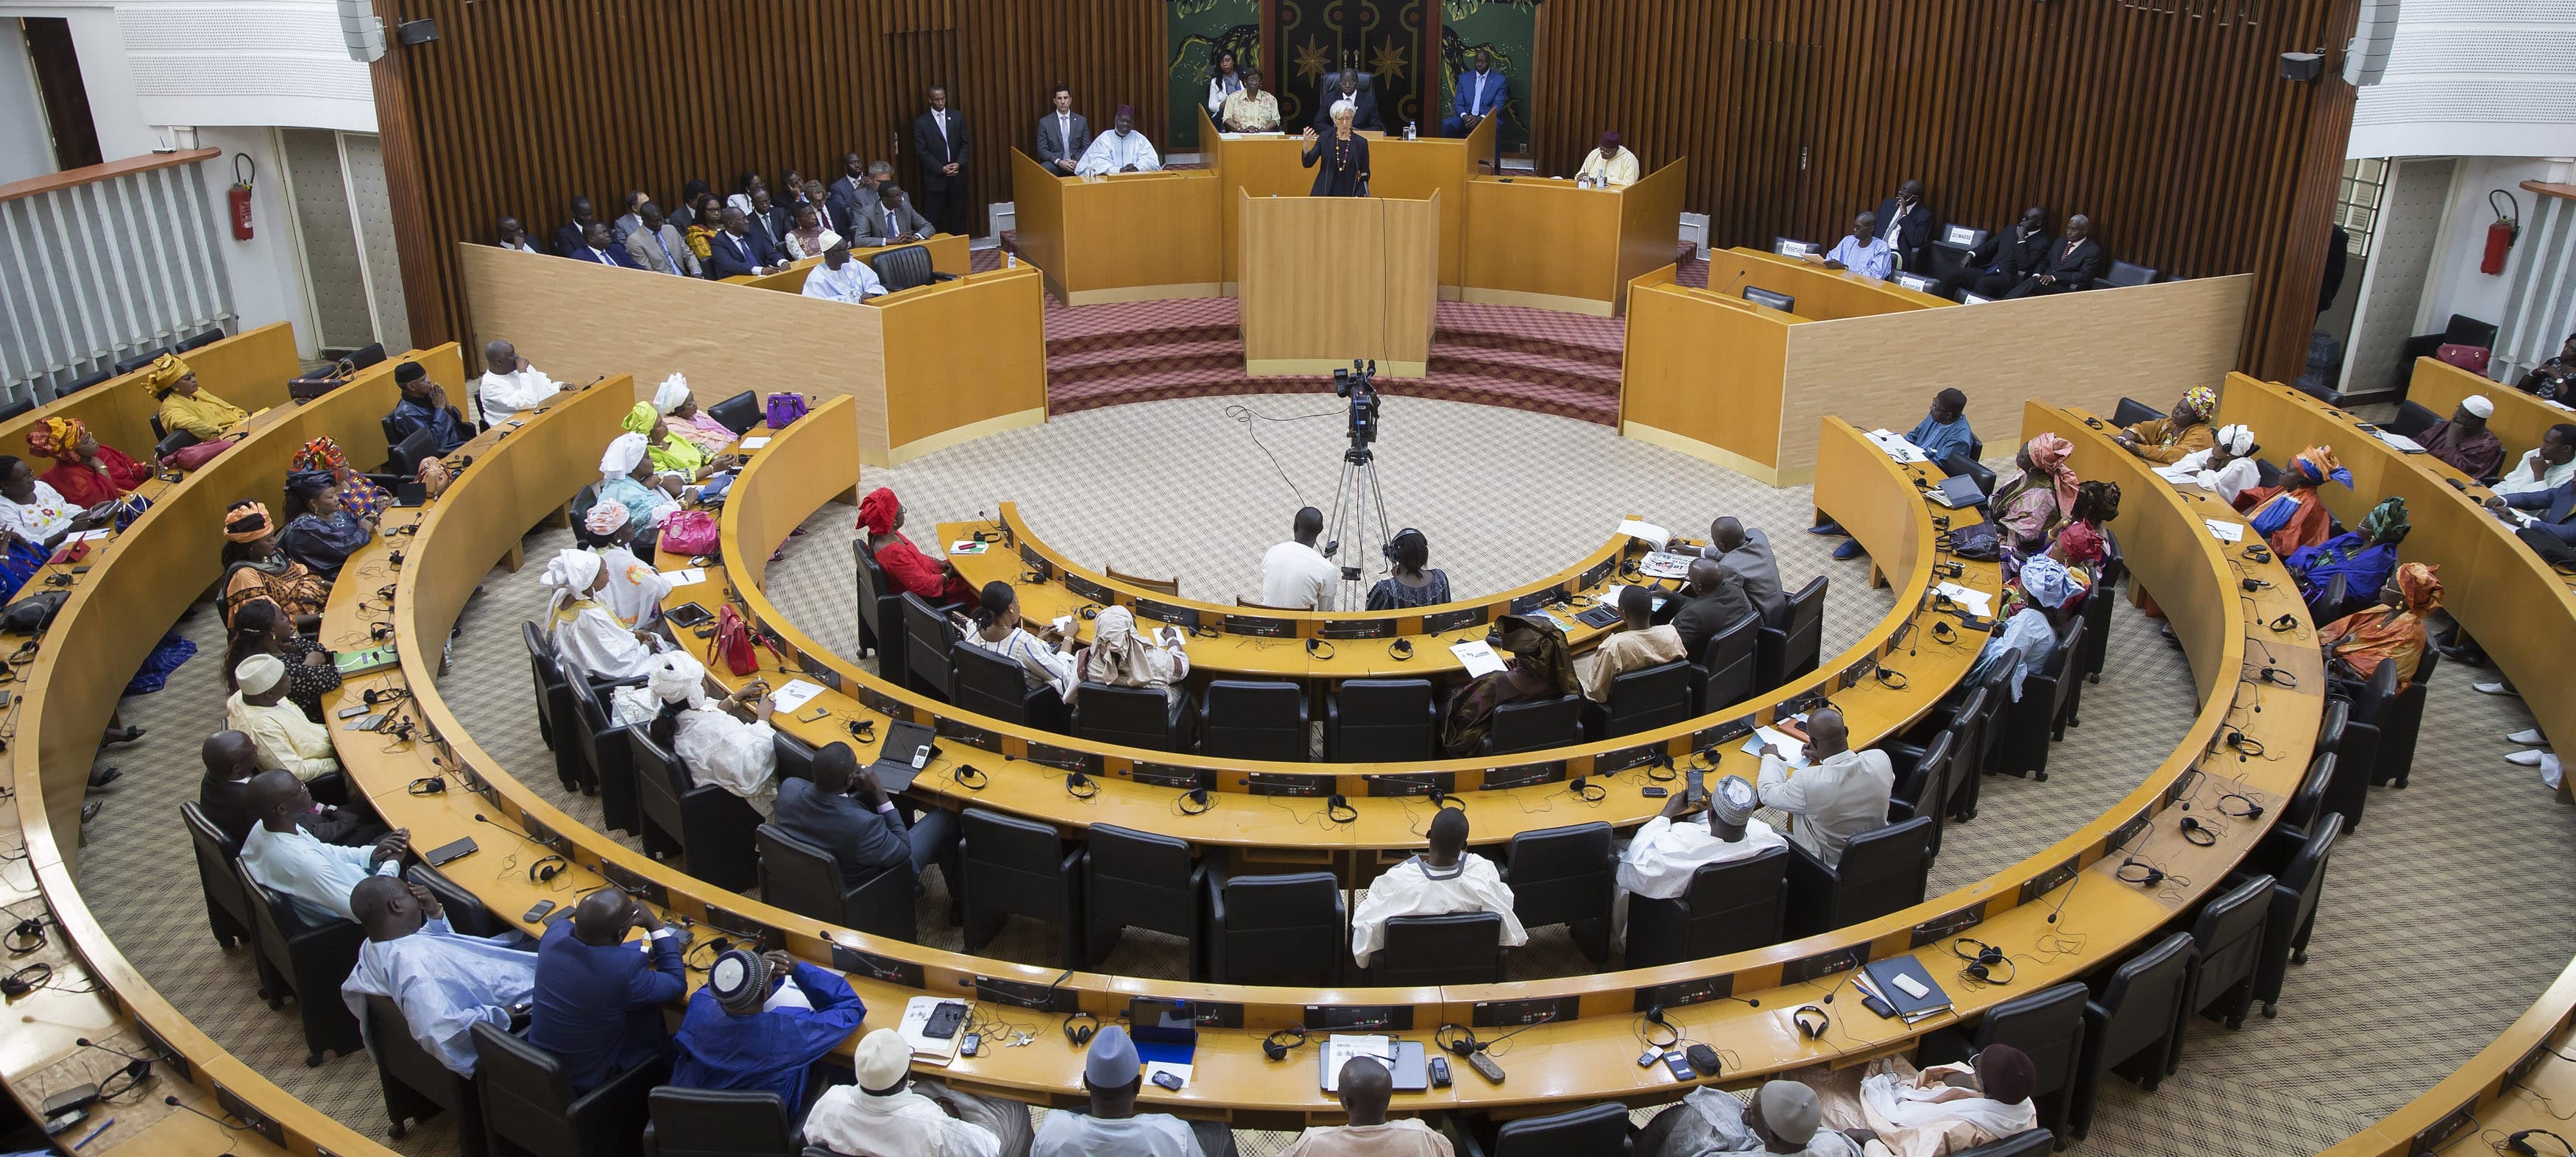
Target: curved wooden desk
138,586
948,254
2519,419
1588,1057
249,369
2510,1086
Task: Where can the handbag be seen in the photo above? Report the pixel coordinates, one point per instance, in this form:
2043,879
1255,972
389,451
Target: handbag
1982,542
2472,358
314,385
733,642
192,457
32,614
784,409
691,532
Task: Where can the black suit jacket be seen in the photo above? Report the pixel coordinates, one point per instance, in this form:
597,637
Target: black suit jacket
936,152
617,256
569,238
728,256
1700,619
777,222
2076,269
2018,256
1912,233
1364,117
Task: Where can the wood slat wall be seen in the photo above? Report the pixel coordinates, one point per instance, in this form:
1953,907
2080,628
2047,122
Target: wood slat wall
2164,120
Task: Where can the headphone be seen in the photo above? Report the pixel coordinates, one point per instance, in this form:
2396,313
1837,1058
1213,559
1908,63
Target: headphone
1079,1035
2252,810
1943,633
2257,552
1655,1019
1807,1013
1586,790
1319,648
1276,1045
2153,874
863,730
428,785
1079,786
970,777
1088,612
1338,809
547,868
2198,834
2517,1143
1395,543
1194,802
1983,963
1400,650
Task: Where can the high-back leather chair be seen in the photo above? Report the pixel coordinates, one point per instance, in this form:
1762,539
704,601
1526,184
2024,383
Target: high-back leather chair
988,684
1642,700
1131,716
1794,647
1594,1131
2227,942
2131,411
1018,867
2399,722
718,1123
880,612
227,905
417,1085
1381,720
2135,1027
2298,816
1921,774
1534,725
907,267
1459,948
1290,929
706,826
2330,724
608,758
2123,274
1253,719
2048,1025
1732,907
1880,872
211,336
1133,879
806,880
2031,723
305,962
529,1105
2096,613
738,413
1731,664
1565,876
465,914
2028,1143
2291,916
927,635
554,712
2067,678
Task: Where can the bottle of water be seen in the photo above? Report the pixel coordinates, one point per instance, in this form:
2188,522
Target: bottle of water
1010,259
1408,130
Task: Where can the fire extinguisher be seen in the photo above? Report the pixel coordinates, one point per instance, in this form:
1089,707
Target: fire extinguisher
2502,234
244,170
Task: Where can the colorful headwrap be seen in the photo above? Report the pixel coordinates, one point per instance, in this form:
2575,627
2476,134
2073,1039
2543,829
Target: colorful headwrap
2319,463
673,391
606,518
321,454
163,374
877,511
2080,543
2421,586
307,483
2386,522
2046,582
2201,400
247,521
642,419
2048,452
56,437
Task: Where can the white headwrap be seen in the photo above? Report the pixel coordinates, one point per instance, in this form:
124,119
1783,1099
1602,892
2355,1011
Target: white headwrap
259,673
570,573
2479,405
1120,658
673,391
2236,440
605,518
678,678
622,456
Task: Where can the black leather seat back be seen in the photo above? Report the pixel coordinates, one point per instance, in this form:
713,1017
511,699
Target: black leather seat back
527,1096
216,856
1129,716
2049,1026
798,876
1649,697
2030,1143
2305,803
1882,871
1594,1131
2412,419
660,782
1286,929
988,684
720,1123
903,268
1458,948
465,914
2132,411
738,413
1139,879
1918,787
1732,907
1564,876
927,635
401,1058
1254,719
1535,725
1796,646
1381,720
2228,936
1731,663
1014,865
2144,998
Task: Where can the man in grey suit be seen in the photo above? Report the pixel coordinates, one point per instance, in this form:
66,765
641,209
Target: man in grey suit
1748,554
656,245
1062,134
892,221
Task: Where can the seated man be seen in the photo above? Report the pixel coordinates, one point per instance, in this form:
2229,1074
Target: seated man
892,220
1250,109
865,834
444,982
1609,166
1659,862
513,236
1713,598
1120,150
1063,134
1905,222
1364,1088
2555,379
657,245
2550,464
424,405
746,1030
510,384
569,235
312,876
284,738
1746,551
1442,880
2183,432
1944,435
2464,441
2070,263
1782,1117
889,1112
1480,92
1841,794
232,761
599,246
1861,250
1294,575
737,251
842,278
598,1001
1111,1074
1894,1108
1635,646
1345,89
2020,251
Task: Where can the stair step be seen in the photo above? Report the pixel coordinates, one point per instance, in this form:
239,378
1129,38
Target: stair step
1526,366
1482,389
1121,361
1482,324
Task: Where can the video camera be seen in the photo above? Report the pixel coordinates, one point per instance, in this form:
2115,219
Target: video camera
1358,384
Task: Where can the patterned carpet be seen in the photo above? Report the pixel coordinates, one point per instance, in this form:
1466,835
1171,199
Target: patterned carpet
2446,915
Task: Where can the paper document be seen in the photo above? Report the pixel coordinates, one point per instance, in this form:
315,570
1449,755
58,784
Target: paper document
2178,475
2561,405
2401,441
1664,565
794,695
752,443
1905,453
90,535
1477,657
916,1016
1765,741
1975,602
1645,532
2225,531
686,576
1341,1047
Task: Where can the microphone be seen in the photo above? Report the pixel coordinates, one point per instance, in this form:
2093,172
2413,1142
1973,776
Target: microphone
175,1103
480,818
1740,275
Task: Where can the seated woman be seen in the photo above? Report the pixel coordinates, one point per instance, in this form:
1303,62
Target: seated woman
2081,543
680,412
670,455
34,511
909,570
586,636
1119,657
2291,516
2364,558
811,236
323,533
718,748
2227,467
259,629
2181,433
1540,668
2029,508
2392,632
626,478
186,406
1045,659
1412,584
85,473
359,494
2037,609
256,570
635,589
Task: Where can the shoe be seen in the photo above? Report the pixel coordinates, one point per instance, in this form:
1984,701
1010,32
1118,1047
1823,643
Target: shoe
1849,551
2470,656
2529,757
128,735
1828,529
89,811
104,776
2528,737
2499,687
2549,771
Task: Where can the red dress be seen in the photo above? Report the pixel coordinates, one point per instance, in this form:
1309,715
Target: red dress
913,572
81,485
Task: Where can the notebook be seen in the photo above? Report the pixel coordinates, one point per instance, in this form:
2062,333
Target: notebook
1883,979
1404,1060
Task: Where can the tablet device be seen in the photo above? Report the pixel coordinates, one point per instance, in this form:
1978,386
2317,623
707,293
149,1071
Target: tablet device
688,615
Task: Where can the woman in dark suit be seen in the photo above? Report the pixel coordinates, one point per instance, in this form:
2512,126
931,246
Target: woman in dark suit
1344,171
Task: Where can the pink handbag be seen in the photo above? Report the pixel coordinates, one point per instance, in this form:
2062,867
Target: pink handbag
689,532
2472,358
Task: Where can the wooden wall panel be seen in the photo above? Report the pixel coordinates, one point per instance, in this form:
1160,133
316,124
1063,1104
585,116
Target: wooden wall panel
1015,51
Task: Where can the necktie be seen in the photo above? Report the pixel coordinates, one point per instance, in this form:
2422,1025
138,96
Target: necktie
666,253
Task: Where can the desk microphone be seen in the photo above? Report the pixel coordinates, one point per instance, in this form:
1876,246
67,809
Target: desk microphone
480,818
1740,275
175,1103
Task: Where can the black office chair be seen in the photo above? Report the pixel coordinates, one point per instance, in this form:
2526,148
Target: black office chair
2131,411
718,1123
1131,716
708,828
806,880
1534,725
1794,648
2298,818
2227,943
1944,258
928,633
2030,1143
1594,1131
2290,917
880,612
417,1085
2397,723
1253,719
1922,778
1458,948
907,267
209,337
1381,721
554,712
988,684
305,962
794,758
128,365
2031,723
2135,1027
1133,879
1642,700
19,408
1967,757
1290,930
172,442
84,382
1018,867
529,1105
738,413
2048,1025
606,755
366,355
1565,876
2460,330
227,906
1730,664
2412,419
2096,613
1880,872
2122,274
1733,907
465,913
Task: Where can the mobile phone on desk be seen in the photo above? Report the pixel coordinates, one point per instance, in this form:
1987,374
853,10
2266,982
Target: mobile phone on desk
538,913
813,715
1169,1080
353,712
440,856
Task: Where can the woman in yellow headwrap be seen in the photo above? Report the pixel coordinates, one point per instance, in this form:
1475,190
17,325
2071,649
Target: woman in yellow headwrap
2177,435
359,494
257,570
2392,632
185,406
675,455
84,472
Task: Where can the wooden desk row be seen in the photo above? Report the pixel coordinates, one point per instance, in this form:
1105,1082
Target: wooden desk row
249,369
137,586
2519,419
948,254
2031,909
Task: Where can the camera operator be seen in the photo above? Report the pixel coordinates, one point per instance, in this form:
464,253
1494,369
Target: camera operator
1294,575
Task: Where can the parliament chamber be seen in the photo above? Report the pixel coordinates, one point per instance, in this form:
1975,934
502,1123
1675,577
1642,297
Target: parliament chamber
1195,593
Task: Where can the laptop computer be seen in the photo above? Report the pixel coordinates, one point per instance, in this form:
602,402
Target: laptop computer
894,766
1956,491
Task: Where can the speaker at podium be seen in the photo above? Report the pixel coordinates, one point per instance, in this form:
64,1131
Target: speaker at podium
1324,280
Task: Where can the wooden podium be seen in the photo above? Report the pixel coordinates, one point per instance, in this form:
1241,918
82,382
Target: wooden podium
1328,279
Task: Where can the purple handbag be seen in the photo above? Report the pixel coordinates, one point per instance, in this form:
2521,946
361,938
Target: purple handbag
784,409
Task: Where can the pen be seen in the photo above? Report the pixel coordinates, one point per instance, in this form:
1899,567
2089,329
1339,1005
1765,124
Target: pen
104,1126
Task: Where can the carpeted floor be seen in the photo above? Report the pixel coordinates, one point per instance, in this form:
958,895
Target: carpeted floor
2444,918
